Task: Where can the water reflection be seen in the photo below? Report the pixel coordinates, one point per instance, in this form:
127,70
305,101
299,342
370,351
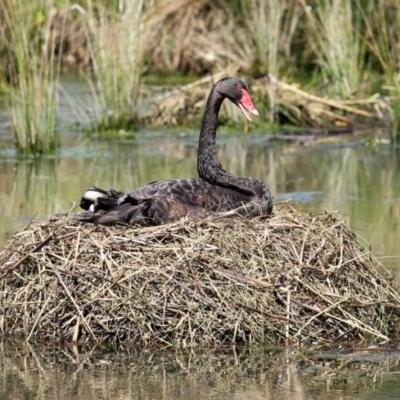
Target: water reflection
93,373
361,182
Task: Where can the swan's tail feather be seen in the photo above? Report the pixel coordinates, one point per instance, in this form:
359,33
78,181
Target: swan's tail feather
93,194
113,202
108,207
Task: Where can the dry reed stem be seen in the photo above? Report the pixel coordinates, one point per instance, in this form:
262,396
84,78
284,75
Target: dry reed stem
184,104
328,102
195,36
290,278
286,102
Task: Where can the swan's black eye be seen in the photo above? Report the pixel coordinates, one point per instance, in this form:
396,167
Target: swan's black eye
240,92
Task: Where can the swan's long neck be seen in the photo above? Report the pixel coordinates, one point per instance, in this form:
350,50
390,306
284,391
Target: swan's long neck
208,165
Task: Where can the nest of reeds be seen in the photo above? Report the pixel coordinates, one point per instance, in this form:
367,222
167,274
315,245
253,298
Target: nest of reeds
293,277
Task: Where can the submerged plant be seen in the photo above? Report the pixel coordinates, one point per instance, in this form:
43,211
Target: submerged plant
32,97
116,54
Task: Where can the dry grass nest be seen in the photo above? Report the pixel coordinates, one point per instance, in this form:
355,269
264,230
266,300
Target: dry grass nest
293,277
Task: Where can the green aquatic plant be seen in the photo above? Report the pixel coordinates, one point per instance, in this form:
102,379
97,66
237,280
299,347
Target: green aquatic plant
382,36
271,26
115,49
334,27
32,96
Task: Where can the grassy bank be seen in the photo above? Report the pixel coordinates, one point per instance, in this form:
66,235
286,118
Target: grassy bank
346,50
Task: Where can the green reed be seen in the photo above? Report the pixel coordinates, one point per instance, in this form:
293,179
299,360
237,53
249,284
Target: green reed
334,36
271,25
32,97
349,43
382,19
116,54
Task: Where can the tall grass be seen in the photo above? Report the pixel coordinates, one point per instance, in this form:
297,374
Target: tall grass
382,19
335,38
347,42
272,25
116,52
32,98
196,36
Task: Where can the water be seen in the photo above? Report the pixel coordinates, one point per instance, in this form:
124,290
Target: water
359,181
29,372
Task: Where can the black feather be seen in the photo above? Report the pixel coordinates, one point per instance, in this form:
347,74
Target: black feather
166,201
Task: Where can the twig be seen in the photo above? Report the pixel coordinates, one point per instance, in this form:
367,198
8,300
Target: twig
76,306
7,269
192,292
243,278
328,102
332,306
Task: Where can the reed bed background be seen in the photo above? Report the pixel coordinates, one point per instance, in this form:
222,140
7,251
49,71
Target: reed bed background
283,103
337,42
115,48
32,97
293,278
345,50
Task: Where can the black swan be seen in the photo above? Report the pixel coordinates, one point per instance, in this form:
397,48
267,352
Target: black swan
166,201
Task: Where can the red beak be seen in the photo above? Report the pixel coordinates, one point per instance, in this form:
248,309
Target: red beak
246,105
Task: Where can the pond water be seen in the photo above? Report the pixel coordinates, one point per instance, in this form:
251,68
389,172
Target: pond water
29,372
361,182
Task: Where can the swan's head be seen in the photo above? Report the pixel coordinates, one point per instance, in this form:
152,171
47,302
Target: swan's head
238,93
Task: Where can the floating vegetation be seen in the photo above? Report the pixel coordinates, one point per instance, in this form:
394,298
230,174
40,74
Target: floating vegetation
291,278
291,105
352,48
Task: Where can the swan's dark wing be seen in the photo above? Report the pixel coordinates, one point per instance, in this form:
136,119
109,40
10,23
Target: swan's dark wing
158,203
125,213
188,190
154,204
157,210
193,192
161,210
